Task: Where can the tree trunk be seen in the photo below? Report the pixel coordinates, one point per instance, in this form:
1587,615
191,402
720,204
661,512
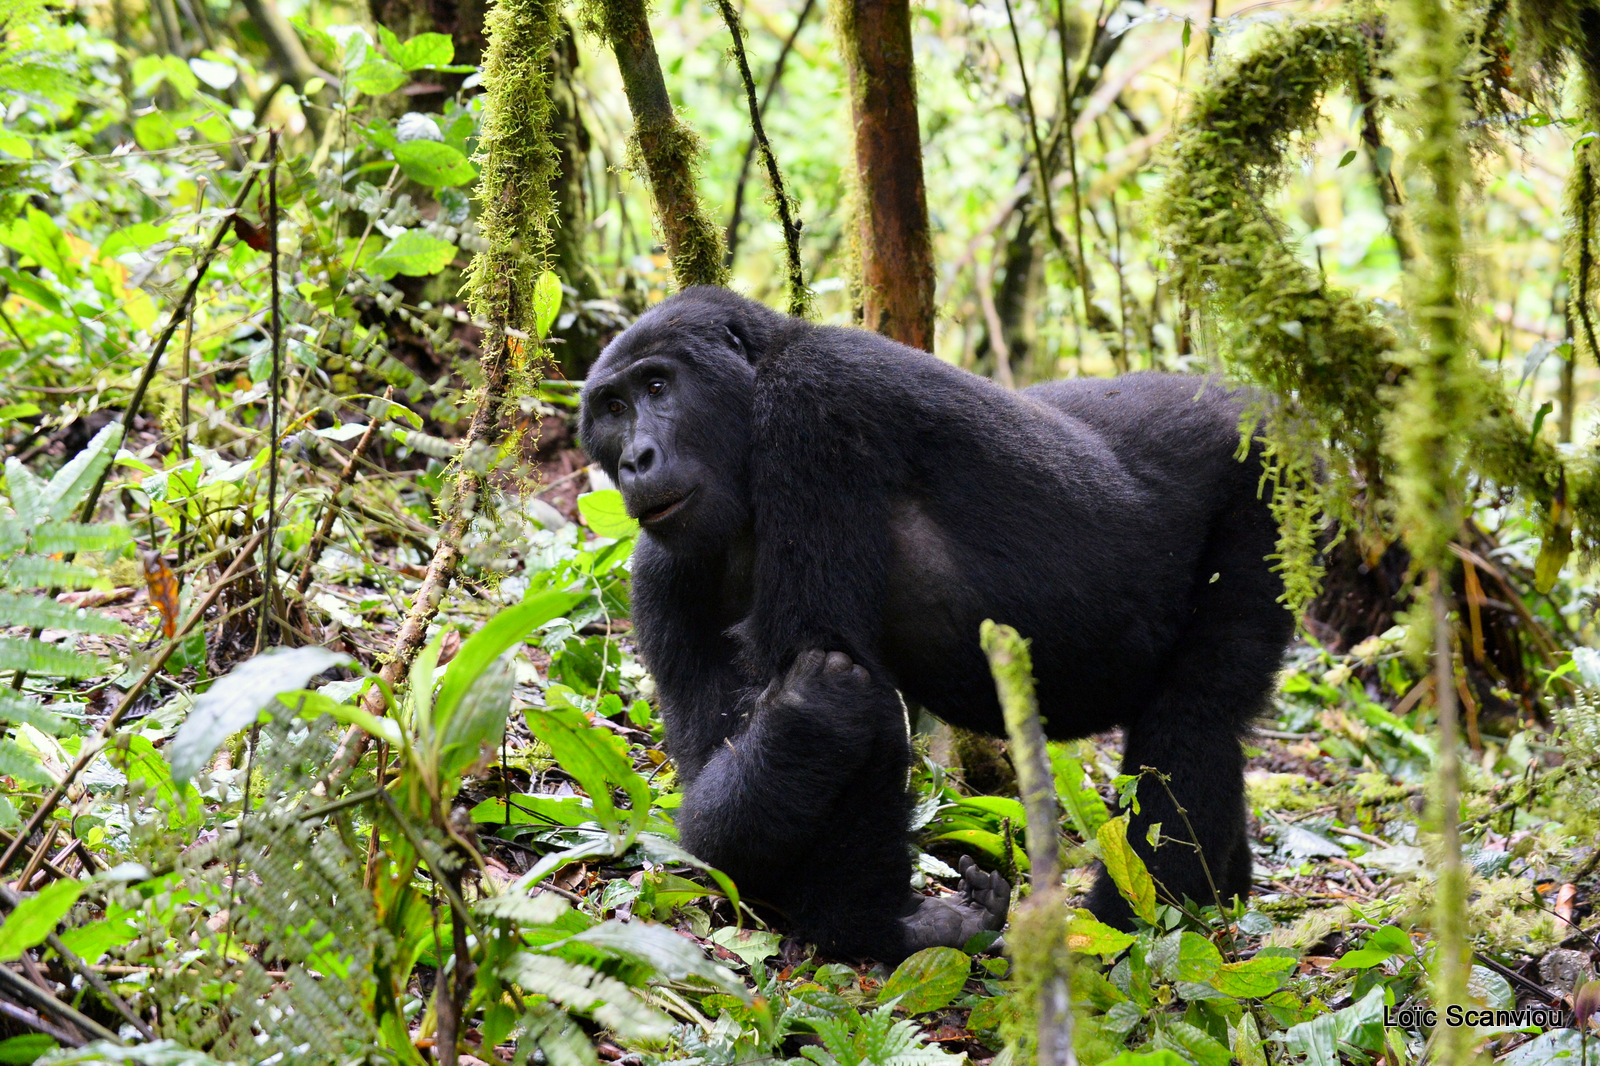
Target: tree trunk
897,277
668,149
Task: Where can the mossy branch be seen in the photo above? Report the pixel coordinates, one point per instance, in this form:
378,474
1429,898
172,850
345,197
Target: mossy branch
665,148
1038,930
1327,357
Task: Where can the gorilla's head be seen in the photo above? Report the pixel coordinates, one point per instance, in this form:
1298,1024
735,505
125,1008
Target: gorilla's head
666,413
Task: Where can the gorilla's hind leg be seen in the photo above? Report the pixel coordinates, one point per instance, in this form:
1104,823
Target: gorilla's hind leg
1214,685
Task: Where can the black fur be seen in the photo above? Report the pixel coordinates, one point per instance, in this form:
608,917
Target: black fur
849,494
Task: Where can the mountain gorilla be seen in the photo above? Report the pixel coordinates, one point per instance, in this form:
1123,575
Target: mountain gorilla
828,516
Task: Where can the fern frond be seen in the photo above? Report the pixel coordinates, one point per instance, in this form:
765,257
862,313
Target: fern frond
19,763
79,538
51,660
35,572
583,988
18,709
41,612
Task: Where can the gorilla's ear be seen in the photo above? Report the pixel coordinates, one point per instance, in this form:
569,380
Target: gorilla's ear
735,341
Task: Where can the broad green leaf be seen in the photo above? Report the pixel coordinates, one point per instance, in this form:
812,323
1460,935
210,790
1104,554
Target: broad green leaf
1252,978
1159,1057
606,514
670,955
15,145
1193,1043
376,76
546,303
1089,936
1553,553
532,810
413,253
1001,807
1383,944
1247,1046
479,721
499,635
992,845
753,946
1078,796
313,705
598,760
435,164
1126,869
36,917
928,980
235,700
424,50
1198,958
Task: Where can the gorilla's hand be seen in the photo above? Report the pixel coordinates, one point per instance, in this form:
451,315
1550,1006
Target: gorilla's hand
980,905
820,679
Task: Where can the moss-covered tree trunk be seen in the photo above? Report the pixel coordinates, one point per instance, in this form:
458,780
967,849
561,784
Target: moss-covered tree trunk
668,150
1427,431
897,276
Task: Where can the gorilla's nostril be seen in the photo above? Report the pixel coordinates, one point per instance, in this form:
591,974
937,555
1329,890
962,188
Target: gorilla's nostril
645,460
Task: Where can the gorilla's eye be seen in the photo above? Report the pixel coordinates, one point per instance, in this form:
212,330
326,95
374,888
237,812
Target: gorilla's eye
656,386
616,407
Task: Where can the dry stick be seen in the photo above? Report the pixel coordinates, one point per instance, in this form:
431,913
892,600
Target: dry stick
1033,134
90,750
330,512
33,1021
42,1000
1038,931
731,238
441,568
799,294
269,576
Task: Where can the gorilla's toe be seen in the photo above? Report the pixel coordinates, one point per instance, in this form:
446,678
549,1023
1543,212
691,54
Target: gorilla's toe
986,893
979,906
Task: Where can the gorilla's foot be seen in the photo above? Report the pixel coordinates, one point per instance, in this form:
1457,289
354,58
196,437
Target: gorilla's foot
979,906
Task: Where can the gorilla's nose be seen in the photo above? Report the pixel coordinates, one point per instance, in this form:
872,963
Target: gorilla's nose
638,459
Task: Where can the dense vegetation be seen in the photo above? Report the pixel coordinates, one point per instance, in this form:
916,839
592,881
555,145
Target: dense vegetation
325,739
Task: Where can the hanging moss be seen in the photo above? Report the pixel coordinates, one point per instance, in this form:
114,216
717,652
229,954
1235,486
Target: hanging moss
517,164
1328,358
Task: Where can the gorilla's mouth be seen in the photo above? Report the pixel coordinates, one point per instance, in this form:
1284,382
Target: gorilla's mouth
665,510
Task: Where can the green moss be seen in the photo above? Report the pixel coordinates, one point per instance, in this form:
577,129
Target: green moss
1336,369
517,162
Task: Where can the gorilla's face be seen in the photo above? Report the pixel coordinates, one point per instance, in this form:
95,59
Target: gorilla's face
666,413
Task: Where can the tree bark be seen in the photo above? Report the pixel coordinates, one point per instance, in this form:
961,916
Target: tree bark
897,276
669,150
